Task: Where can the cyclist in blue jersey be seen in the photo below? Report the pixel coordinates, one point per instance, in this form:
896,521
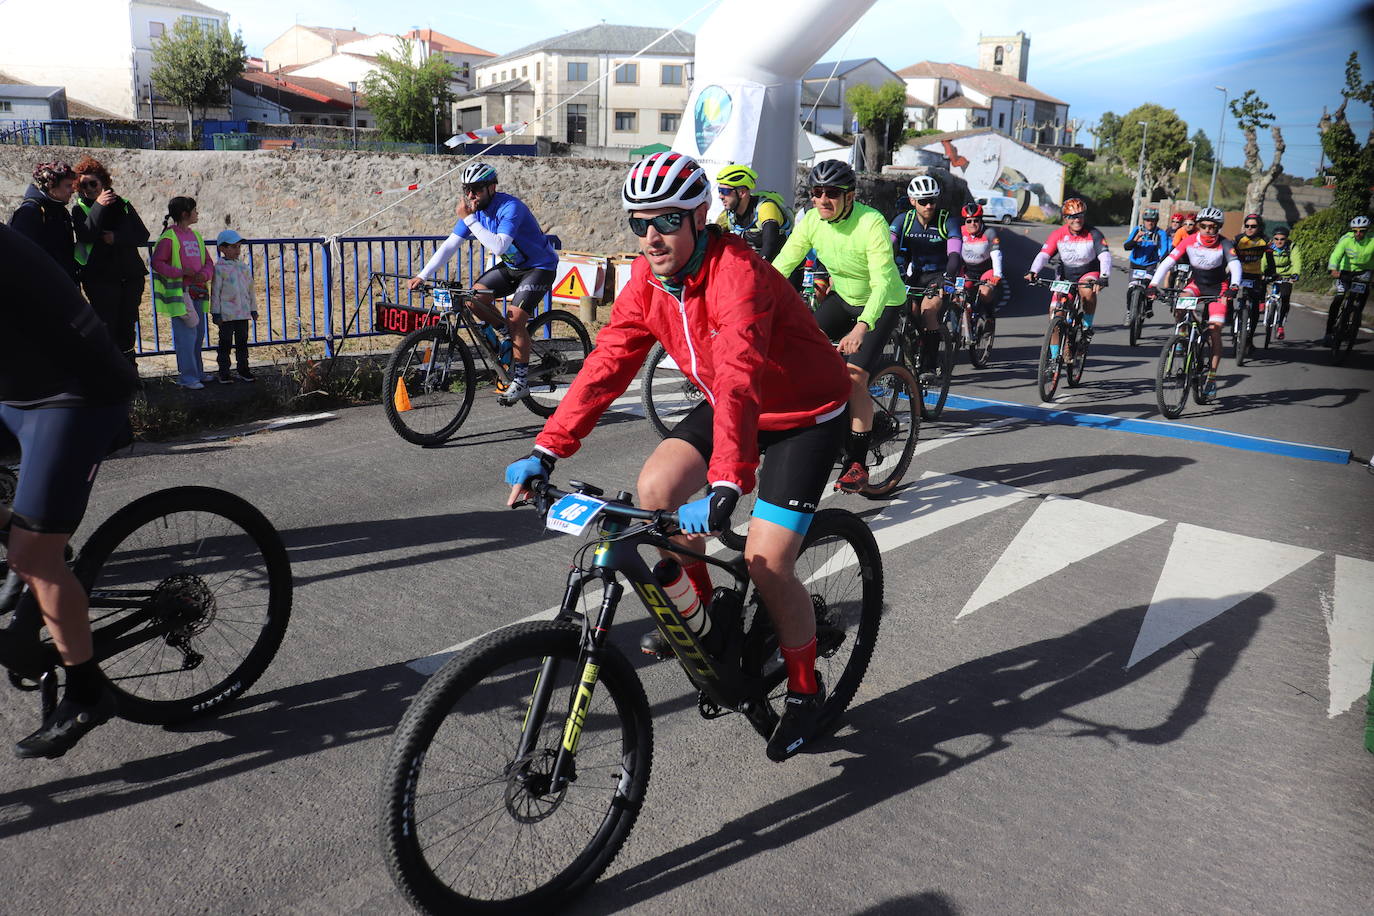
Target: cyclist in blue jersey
927,243
64,394
1148,244
525,268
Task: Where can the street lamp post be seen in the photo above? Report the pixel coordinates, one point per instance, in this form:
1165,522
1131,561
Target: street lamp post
1139,175
353,112
152,116
1221,143
1192,154
436,124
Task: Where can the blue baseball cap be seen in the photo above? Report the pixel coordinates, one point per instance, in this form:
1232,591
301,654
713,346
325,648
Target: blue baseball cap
228,237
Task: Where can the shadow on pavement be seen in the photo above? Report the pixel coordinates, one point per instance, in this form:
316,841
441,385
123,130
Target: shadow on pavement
895,742
1125,471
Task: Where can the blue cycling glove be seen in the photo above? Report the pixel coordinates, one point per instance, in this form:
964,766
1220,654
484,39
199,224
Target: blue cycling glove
710,513
537,464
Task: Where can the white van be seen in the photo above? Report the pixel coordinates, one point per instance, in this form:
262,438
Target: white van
997,208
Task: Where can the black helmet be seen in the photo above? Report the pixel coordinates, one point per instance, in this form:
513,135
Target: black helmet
832,173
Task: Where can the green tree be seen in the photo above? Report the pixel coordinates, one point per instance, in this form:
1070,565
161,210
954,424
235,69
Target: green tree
400,93
882,114
194,64
1075,170
1108,127
1251,114
1166,145
1352,165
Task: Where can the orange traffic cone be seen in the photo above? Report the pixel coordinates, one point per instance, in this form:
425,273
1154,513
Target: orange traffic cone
402,397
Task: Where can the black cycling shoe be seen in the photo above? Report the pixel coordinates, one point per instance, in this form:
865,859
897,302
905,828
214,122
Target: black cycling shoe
68,724
801,717
654,643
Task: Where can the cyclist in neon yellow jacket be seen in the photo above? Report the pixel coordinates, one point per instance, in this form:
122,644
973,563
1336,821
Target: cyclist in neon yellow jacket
1287,269
1353,255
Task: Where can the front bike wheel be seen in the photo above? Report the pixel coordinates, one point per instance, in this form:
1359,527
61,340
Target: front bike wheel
559,345
980,351
190,592
1079,358
1343,337
428,385
896,424
1172,377
469,822
1201,366
1051,367
934,392
1271,311
667,393
842,570
1244,328
1135,303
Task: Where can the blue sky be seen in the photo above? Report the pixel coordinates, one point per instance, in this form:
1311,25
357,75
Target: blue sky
1097,56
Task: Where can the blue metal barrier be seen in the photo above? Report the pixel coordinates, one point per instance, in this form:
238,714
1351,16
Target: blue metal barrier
305,293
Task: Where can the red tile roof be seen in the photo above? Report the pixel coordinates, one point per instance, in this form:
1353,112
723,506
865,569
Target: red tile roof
987,82
445,43
961,101
310,87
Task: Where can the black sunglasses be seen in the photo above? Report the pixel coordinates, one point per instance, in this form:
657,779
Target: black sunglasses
832,193
664,223
1252,225
89,183
973,219
927,201
1209,225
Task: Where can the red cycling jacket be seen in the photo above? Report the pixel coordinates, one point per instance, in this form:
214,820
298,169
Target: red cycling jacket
740,332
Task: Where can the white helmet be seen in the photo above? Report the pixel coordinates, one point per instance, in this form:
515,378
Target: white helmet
478,173
665,180
1360,222
1211,213
923,186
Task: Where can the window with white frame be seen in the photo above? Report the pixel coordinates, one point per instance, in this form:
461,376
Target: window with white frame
577,71
627,74
625,120
672,75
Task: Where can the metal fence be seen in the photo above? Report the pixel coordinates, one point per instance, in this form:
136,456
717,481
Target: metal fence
305,291
15,132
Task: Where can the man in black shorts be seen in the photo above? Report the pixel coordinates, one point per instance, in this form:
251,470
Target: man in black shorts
64,393
525,271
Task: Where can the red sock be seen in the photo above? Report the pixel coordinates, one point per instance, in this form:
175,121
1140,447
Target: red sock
700,576
801,667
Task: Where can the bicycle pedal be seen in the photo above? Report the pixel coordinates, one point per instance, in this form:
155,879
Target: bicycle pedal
709,708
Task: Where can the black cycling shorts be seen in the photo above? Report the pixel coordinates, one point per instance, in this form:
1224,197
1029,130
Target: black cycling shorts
528,286
837,318
797,463
60,451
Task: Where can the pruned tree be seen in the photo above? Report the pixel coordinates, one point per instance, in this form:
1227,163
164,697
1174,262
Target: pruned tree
401,92
1352,165
882,116
194,64
1251,114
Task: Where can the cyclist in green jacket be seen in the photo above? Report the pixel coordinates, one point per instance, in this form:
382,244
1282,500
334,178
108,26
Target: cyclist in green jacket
1287,269
1353,255
866,292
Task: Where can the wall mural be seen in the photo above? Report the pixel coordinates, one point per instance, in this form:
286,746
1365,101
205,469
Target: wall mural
991,160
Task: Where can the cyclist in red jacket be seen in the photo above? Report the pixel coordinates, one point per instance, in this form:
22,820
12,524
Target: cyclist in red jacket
771,382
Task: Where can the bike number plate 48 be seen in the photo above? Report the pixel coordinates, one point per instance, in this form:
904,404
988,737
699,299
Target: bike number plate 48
573,513
1061,286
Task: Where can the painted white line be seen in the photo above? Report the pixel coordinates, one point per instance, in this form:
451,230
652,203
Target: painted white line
1350,628
926,445
937,502
1061,532
1208,572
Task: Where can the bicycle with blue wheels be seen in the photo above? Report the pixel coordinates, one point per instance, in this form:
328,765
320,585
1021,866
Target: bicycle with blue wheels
521,766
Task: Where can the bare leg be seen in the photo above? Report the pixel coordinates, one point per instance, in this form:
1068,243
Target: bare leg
674,473
860,403
771,554
39,559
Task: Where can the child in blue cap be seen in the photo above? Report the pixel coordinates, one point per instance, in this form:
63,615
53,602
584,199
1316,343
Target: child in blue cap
232,303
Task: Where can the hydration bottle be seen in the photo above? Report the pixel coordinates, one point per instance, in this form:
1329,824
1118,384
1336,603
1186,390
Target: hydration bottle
679,589
809,280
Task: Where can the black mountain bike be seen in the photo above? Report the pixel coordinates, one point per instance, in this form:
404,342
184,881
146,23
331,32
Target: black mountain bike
1273,308
1245,319
431,380
1186,357
1353,289
962,316
1138,302
1066,327
190,594
521,766
905,347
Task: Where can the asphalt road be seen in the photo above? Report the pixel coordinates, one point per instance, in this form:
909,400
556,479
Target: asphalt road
1116,673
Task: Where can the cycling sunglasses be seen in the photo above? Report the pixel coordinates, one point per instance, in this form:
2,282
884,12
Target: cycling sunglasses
664,223
927,201
973,219
832,193
1252,225
1209,225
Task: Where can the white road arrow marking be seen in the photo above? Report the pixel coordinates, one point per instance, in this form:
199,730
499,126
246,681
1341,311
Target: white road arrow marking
937,502
1208,572
1350,627
1061,532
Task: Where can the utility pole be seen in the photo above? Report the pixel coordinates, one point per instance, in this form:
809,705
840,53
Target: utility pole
353,112
1221,144
436,124
152,115
1139,175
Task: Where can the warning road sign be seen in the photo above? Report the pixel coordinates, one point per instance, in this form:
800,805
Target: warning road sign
578,276
571,286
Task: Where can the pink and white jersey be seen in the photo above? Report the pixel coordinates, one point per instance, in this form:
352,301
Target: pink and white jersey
978,249
1077,251
1213,262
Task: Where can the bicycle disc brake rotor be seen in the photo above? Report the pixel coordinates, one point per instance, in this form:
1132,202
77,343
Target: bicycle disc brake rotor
527,787
829,631
187,607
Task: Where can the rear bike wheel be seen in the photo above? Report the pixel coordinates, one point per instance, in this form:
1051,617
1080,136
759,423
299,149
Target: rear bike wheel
559,345
469,822
1172,377
667,393
190,592
896,425
428,385
980,350
842,570
1051,367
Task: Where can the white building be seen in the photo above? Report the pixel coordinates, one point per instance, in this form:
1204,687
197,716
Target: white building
641,102
302,44
101,50
824,87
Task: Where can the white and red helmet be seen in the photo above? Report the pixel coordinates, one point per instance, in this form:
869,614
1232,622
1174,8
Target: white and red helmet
665,180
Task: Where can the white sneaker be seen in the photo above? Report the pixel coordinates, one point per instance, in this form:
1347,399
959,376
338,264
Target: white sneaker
194,386
515,392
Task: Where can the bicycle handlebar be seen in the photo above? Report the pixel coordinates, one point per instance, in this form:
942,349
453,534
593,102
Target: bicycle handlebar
546,494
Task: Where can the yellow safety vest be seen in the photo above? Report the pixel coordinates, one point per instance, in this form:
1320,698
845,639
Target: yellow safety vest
168,292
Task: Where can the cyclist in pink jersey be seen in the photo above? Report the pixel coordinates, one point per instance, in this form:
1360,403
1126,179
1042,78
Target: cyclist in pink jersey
1083,253
981,255
1215,277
